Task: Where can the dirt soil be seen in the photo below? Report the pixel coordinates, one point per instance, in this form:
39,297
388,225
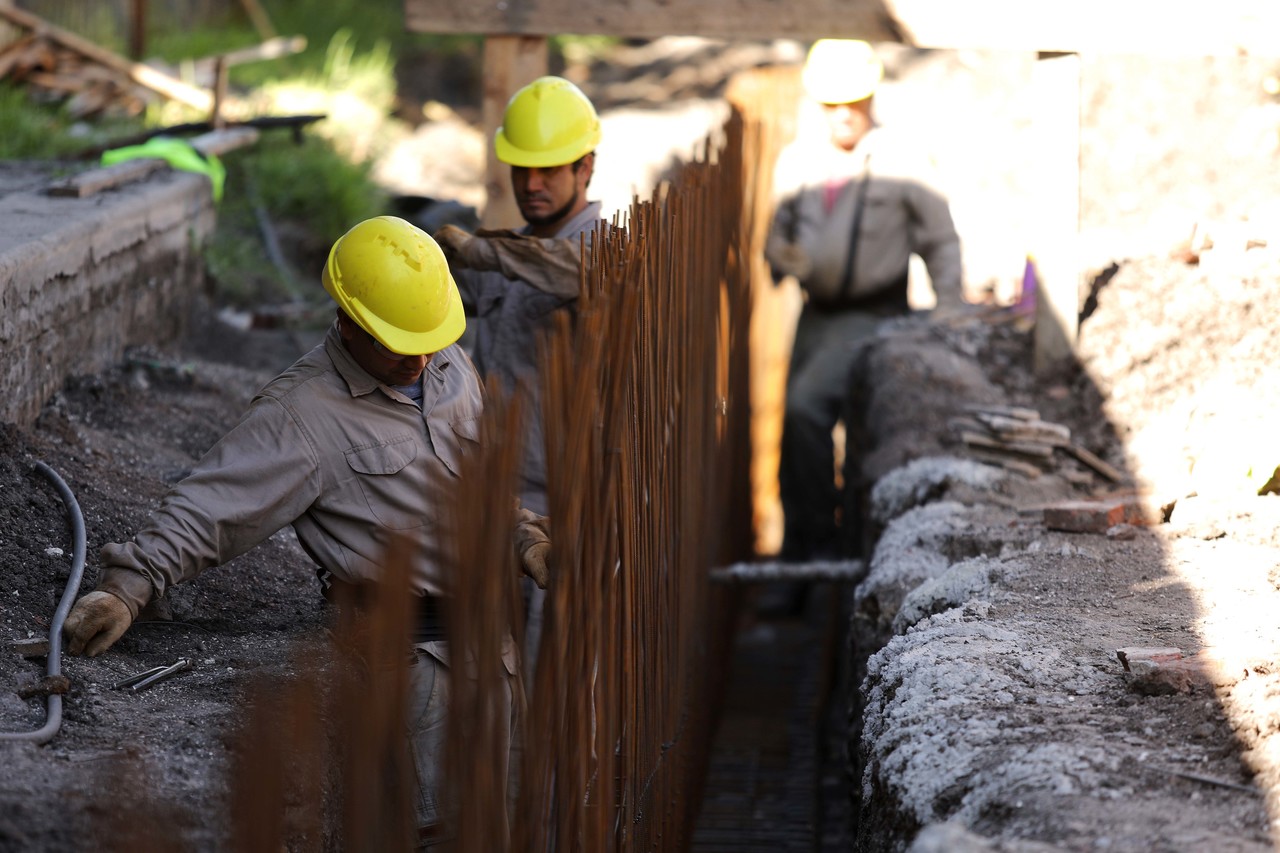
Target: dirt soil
1174,357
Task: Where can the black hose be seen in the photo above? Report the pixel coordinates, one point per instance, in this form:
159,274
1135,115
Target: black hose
53,716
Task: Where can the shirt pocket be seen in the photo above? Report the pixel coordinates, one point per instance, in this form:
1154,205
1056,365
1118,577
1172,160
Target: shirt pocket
393,494
460,441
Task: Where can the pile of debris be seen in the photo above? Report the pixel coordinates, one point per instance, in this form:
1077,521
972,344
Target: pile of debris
1017,440
59,65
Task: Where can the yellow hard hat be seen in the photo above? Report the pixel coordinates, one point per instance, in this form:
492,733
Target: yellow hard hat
841,71
547,123
393,280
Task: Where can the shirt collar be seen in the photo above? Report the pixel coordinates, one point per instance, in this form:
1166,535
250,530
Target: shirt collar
358,379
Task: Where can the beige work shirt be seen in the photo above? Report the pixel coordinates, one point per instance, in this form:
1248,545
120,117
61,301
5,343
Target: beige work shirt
816,188
348,462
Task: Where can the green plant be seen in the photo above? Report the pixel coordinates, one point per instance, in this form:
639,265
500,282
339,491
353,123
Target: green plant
36,130
308,191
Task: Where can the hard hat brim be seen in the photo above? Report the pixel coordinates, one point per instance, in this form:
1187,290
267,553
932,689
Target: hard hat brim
401,341
513,156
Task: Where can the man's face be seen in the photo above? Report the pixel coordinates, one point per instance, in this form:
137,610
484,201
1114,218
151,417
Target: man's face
848,123
550,196
382,364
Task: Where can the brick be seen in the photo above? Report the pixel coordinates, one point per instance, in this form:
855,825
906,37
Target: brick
1149,654
1094,516
1084,516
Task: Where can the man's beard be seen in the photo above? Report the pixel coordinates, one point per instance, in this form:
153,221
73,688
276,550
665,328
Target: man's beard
553,217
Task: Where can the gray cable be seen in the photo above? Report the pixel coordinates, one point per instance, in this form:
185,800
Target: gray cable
53,715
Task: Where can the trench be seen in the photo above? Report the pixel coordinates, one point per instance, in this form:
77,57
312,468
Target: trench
778,777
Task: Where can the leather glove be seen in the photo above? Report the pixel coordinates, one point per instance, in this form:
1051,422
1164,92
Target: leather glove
790,259
454,242
95,622
534,562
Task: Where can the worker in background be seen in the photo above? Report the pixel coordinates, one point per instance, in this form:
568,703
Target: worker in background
357,443
850,210
514,281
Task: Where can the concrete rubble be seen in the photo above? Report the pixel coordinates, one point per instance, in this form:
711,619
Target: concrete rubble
1039,668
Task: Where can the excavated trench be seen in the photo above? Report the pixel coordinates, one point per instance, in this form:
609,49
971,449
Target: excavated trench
965,694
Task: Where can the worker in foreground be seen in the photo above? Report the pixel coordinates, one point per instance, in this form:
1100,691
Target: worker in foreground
514,281
851,208
358,443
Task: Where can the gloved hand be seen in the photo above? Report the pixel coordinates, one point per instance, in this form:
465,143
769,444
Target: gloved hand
534,562
453,242
95,622
790,259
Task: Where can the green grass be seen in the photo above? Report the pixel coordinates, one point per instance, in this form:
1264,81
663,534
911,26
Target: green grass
36,131
310,191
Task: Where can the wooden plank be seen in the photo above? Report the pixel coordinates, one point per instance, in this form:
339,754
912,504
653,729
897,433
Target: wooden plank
269,49
1111,473
164,84
261,20
96,180
509,63
1171,27
742,19
14,52
229,139
1056,94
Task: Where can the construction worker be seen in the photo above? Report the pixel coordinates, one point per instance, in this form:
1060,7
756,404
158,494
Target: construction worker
357,443
851,208
513,281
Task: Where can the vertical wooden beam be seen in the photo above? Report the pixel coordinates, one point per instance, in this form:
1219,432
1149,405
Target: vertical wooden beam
138,30
219,92
509,63
1056,82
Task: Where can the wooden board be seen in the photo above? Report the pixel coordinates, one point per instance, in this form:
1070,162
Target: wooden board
743,19
137,72
1174,27
93,181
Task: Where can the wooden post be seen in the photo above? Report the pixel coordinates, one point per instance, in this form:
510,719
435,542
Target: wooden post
138,30
1056,85
509,63
219,92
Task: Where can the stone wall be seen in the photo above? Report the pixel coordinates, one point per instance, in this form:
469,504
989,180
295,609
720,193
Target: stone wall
81,279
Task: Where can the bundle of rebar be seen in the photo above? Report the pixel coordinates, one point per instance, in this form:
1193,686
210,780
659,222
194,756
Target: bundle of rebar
647,433
647,426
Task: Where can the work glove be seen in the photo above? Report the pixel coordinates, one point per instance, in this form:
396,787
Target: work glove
455,243
533,543
533,560
790,259
95,623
